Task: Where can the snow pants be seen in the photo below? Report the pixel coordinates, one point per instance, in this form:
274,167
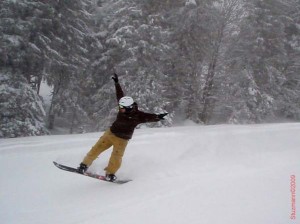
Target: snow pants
107,140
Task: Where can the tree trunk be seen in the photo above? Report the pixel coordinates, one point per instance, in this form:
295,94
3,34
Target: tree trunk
207,92
51,115
72,122
208,88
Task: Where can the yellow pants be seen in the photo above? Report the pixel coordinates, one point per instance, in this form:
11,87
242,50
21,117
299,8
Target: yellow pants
107,140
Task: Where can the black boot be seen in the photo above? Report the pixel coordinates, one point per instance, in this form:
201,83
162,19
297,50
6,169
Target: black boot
110,177
82,168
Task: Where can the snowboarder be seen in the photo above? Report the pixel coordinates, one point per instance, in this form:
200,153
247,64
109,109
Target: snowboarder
120,132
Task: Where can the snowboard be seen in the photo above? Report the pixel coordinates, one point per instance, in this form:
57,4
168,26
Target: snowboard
88,174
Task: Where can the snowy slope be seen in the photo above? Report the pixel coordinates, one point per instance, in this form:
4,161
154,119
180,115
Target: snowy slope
217,174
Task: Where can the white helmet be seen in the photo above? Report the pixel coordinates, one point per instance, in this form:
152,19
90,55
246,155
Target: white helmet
126,101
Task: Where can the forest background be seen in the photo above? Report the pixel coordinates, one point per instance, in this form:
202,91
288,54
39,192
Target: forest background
206,61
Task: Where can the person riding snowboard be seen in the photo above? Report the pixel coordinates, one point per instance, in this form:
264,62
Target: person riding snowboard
119,133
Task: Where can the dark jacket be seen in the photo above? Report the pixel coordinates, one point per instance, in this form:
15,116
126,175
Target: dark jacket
124,125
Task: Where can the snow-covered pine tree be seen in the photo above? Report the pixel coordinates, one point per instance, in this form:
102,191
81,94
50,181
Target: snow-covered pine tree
21,109
189,24
21,67
201,30
287,103
71,41
21,24
135,48
258,59
225,16
51,41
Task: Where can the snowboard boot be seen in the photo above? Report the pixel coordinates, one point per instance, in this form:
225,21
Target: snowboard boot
110,177
82,168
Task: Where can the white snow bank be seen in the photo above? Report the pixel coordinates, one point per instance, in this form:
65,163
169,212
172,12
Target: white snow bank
216,174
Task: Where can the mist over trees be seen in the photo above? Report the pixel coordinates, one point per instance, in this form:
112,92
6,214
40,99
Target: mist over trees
209,61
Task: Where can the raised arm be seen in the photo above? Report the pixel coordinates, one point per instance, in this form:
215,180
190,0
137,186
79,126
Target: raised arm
119,90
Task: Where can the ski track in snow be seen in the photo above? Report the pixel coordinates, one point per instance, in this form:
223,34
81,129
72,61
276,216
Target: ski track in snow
221,174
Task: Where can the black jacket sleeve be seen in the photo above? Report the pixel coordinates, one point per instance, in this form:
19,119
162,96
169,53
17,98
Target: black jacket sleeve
147,117
119,91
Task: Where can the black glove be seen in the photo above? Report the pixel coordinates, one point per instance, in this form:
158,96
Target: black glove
115,78
161,116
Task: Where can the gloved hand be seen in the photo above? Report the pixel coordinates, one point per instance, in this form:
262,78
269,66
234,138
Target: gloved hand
161,116
115,78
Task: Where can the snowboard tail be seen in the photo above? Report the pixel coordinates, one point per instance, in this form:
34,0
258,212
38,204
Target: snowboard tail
88,174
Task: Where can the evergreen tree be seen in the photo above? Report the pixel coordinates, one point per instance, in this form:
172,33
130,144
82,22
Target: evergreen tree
21,67
21,112
287,103
202,31
21,22
135,48
71,40
48,40
259,56
190,30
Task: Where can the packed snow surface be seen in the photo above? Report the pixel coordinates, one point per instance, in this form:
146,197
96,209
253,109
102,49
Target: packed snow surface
197,175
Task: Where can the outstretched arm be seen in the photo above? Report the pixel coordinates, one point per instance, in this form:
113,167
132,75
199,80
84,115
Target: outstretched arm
119,90
146,117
